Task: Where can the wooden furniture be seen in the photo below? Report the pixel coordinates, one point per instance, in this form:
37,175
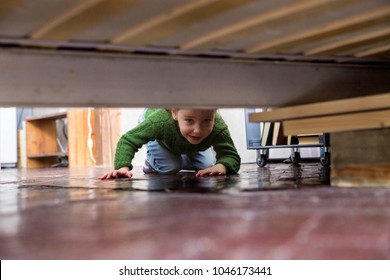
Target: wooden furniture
359,135
107,133
335,107
41,139
361,158
271,136
81,127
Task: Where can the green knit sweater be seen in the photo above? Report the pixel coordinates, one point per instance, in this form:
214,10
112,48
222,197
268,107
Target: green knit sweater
160,126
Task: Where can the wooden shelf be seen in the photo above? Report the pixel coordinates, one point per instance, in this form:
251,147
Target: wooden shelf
48,155
41,139
47,117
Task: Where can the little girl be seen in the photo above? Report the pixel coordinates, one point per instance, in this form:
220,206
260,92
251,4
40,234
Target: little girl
178,139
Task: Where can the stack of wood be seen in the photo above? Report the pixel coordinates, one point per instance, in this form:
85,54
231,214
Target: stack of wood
359,135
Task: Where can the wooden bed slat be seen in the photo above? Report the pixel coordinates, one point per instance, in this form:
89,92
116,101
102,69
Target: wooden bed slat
79,18
7,6
261,18
154,22
345,122
350,105
329,29
367,37
385,49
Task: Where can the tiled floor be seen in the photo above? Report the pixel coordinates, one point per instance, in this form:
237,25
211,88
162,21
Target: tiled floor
281,211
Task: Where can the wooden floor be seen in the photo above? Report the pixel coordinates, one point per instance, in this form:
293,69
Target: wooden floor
281,211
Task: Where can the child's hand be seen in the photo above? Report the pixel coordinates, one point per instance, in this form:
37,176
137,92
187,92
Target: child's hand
216,170
123,172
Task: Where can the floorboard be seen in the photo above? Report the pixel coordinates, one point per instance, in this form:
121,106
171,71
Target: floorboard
281,211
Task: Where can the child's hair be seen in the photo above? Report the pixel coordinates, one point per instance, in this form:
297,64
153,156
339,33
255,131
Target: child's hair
177,109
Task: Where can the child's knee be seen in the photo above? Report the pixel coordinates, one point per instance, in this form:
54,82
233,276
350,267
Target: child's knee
204,165
170,168
205,162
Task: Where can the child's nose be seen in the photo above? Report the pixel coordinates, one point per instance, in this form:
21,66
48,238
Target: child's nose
197,128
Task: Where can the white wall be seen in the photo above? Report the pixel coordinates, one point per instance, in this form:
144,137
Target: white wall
129,121
235,119
8,137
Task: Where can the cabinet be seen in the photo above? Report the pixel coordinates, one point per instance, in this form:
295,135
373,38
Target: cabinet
41,139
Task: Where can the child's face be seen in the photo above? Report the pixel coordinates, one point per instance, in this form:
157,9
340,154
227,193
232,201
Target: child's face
195,125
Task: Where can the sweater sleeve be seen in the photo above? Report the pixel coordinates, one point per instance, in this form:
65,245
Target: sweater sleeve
226,152
131,142
227,155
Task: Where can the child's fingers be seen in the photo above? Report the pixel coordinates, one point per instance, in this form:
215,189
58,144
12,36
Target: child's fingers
108,176
216,173
105,176
124,174
203,173
116,174
200,173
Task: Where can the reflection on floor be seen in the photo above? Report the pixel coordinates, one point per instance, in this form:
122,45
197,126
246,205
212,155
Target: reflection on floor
281,211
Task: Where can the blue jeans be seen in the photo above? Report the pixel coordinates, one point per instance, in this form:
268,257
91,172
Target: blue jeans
163,161
166,162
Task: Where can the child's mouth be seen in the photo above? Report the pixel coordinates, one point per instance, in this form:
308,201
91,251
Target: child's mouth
195,138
